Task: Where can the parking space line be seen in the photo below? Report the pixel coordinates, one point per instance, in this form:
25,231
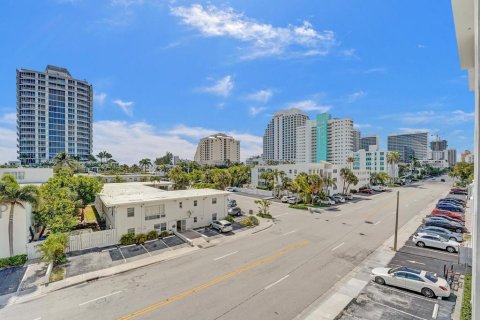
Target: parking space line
286,234
398,310
435,311
341,244
417,296
39,318
377,222
120,249
166,245
276,282
228,254
146,249
436,251
102,297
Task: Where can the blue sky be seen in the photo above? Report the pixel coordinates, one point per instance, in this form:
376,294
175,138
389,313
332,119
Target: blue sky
166,73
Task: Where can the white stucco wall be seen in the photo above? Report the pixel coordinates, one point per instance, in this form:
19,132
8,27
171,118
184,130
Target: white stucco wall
29,175
21,223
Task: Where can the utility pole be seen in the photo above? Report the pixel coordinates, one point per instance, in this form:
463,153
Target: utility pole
396,223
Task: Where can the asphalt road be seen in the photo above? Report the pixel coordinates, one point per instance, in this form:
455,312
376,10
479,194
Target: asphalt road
274,274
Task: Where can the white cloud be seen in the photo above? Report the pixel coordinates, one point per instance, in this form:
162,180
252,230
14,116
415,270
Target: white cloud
349,53
309,105
375,70
414,130
126,3
421,46
261,95
353,97
263,39
429,116
8,144
126,106
222,87
99,98
254,111
362,126
9,118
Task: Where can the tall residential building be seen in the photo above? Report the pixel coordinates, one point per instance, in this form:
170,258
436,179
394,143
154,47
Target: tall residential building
54,114
366,142
340,140
280,138
373,160
451,157
307,142
467,156
438,145
356,140
322,136
218,149
409,144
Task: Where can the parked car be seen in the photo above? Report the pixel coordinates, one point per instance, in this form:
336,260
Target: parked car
424,282
327,202
221,226
235,211
449,225
440,217
459,191
293,200
347,196
285,199
232,203
455,201
230,189
446,213
449,207
459,200
378,188
452,202
435,241
338,199
443,233
366,190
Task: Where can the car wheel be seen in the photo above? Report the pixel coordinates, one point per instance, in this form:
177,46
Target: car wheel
453,238
380,280
428,293
451,249
458,230
420,244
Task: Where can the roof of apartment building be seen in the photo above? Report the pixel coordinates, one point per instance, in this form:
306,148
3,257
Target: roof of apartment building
114,194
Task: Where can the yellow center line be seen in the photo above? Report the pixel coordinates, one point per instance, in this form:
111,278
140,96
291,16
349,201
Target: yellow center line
215,281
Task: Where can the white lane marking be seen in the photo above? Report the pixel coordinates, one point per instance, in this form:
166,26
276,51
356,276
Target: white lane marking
439,252
102,297
146,249
280,215
286,234
398,310
377,222
166,244
415,262
417,296
435,311
228,254
341,244
338,215
276,282
39,318
120,249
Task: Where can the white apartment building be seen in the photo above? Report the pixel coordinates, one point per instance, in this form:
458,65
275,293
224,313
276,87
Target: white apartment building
307,142
280,138
217,149
254,161
324,169
436,163
139,208
340,140
22,221
28,175
374,160
449,155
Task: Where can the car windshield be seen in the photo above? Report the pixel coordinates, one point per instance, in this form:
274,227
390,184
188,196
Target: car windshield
431,276
227,224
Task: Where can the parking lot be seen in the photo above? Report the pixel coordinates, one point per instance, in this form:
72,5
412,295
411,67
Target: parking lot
386,302
10,279
212,233
97,259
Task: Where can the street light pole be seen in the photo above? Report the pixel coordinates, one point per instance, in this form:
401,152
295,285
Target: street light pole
396,223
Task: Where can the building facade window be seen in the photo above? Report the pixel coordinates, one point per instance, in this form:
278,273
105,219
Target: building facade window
180,204
131,213
131,230
214,216
195,220
214,200
195,202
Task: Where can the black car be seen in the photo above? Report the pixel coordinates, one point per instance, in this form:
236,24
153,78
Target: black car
442,180
235,211
455,227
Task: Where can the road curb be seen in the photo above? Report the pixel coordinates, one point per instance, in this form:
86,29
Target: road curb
267,227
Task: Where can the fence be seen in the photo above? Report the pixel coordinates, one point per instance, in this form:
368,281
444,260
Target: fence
79,242
258,192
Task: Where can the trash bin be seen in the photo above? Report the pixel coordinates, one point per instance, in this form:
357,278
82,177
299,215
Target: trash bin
250,211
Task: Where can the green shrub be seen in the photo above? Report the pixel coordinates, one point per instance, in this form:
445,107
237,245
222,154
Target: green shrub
53,249
13,261
254,220
466,313
301,206
152,235
140,238
229,218
265,215
126,239
352,191
164,234
250,221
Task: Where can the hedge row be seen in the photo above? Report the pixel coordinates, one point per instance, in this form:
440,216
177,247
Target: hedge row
466,313
140,238
13,261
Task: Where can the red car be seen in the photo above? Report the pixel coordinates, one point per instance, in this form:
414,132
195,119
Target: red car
450,214
369,191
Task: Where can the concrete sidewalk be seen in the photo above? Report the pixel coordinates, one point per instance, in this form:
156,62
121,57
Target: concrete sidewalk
330,304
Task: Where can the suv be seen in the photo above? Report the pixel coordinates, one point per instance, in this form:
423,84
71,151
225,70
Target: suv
337,198
347,196
435,241
221,226
235,211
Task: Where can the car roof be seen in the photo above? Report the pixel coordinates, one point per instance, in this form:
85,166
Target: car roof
406,269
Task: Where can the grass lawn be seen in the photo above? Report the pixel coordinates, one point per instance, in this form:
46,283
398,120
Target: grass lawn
90,216
58,273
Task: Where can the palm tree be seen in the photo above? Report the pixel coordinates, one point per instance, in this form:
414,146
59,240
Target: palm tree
12,194
350,161
344,173
315,184
145,163
328,182
103,155
351,179
63,160
393,158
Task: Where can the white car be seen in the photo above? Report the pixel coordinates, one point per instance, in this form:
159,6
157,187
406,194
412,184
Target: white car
222,226
230,189
285,199
327,202
293,200
378,188
425,282
435,241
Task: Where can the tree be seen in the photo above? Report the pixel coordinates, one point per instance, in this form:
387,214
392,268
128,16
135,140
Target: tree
350,161
351,179
53,249
463,171
154,179
221,178
166,159
301,185
178,177
164,168
268,179
393,158
86,189
12,194
328,182
240,175
382,177
145,163
64,161
103,155
344,173
263,207
315,184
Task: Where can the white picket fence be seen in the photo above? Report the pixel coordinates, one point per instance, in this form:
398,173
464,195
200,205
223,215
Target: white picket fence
79,242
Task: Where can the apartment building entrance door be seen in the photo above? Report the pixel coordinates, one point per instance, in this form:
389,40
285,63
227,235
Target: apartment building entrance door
181,225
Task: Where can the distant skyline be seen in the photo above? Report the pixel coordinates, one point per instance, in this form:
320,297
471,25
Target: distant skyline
167,73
